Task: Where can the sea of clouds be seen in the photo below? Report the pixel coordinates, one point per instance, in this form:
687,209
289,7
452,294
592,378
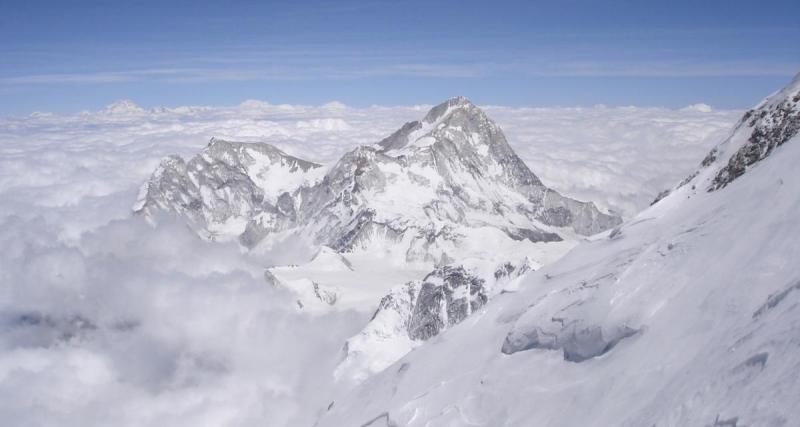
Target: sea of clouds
105,320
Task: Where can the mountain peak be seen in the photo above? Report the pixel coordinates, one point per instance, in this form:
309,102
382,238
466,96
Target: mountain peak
122,107
235,153
457,111
454,170
459,100
442,110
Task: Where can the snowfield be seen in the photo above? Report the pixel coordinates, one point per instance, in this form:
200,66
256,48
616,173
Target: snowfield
684,315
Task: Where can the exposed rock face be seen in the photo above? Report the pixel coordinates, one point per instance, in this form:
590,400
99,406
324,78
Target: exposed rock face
422,187
419,310
471,152
323,295
772,125
758,134
446,297
230,189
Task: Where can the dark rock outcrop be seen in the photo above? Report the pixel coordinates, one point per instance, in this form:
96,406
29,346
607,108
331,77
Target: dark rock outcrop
447,296
772,126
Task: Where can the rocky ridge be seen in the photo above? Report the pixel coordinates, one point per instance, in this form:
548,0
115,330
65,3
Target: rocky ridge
762,129
419,192
419,310
228,187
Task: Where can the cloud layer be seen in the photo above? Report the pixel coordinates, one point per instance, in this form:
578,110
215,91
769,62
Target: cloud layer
136,326
618,157
105,320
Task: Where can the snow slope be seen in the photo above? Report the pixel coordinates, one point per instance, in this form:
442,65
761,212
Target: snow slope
688,314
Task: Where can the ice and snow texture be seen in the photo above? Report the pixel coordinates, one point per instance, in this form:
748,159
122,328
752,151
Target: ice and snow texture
634,329
104,320
685,315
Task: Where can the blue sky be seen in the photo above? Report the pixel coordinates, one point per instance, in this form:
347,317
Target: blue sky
66,56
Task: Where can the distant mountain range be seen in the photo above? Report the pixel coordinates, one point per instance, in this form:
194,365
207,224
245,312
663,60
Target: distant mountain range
419,192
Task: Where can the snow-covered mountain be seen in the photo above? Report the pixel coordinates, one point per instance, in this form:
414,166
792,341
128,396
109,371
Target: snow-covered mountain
446,192
421,195
227,187
685,315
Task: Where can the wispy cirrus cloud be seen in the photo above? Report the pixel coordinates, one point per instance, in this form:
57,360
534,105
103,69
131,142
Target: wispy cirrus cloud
191,75
660,68
585,68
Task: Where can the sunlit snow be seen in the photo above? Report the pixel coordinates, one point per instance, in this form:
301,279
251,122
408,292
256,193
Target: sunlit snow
109,321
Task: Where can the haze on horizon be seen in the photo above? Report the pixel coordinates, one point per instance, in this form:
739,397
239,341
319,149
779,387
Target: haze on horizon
72,56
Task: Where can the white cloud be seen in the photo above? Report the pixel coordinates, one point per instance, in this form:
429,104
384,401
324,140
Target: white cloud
286,67
251,72
620,158
140,326
700,108
104,320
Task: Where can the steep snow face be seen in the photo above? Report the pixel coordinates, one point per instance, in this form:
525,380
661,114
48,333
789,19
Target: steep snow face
425,186
417,194
685,315
227,186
